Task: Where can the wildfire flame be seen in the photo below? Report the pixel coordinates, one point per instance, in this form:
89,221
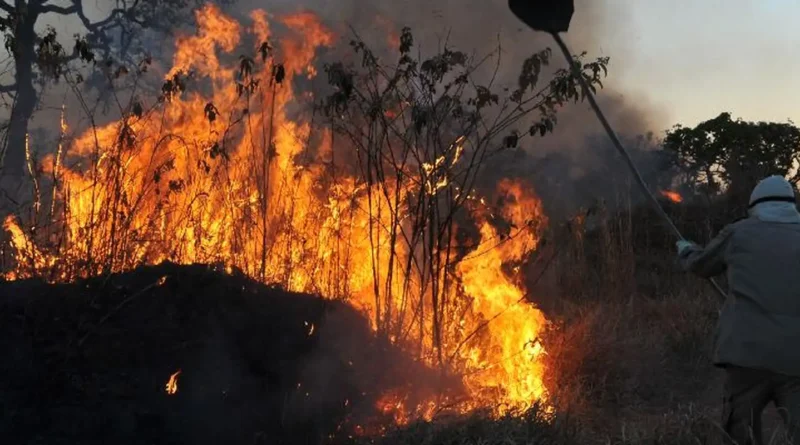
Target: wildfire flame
672,196
170,183
172,383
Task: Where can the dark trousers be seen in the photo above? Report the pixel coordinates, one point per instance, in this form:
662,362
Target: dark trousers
748,392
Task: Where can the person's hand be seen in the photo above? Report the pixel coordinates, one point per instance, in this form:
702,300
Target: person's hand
683,246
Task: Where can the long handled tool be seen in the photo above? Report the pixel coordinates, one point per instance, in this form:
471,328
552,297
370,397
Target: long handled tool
553,17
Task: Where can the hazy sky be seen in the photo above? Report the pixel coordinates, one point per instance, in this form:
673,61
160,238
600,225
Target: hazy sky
686,60
696,58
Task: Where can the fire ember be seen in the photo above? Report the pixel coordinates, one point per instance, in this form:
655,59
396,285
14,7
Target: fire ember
172,383
672,196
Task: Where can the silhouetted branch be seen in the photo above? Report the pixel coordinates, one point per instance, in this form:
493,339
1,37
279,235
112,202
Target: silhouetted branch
77,8
59,9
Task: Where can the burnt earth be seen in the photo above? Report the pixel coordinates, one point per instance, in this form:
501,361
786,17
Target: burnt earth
87,363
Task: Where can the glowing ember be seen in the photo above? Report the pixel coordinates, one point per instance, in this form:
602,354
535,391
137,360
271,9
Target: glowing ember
261,195
672,196
172,384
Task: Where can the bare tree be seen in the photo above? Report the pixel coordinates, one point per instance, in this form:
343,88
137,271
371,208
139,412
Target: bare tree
38,55
421,133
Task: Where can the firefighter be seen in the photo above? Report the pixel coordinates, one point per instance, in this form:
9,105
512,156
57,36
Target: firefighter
758,335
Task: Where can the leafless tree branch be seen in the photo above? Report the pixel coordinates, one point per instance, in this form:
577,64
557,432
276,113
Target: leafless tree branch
59,9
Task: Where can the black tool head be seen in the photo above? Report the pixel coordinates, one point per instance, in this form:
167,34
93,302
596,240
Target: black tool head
544,15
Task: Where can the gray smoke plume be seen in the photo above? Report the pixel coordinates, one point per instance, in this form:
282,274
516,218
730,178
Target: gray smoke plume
560,165
570,168
574,166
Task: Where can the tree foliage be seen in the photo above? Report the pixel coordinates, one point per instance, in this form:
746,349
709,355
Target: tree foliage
726,155
420,131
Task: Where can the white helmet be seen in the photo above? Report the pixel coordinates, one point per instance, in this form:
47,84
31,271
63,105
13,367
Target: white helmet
772,188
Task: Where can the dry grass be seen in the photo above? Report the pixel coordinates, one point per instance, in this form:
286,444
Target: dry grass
531,428
629,353
634,369
632,343
630,349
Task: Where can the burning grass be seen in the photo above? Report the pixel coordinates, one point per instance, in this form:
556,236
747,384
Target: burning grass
364,188
359,180
367,193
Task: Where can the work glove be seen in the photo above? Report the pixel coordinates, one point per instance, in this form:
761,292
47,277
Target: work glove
683,246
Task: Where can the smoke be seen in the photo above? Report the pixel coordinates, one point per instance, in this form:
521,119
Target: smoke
569,168
470,24
560,165
574,166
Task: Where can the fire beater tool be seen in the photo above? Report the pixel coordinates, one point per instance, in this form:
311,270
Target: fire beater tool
553,17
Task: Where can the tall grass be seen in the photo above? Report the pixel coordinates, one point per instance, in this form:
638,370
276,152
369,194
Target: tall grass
630,349
630,355
364,194
628,359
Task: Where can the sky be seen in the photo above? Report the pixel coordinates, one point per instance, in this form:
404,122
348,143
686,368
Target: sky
693,59
682,60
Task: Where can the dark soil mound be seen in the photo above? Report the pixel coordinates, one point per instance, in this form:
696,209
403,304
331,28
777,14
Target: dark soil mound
88,362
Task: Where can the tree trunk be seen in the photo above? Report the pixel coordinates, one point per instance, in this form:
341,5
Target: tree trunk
26,96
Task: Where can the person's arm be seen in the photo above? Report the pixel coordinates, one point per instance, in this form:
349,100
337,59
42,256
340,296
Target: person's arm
710,260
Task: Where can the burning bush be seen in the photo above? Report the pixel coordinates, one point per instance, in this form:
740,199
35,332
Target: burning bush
367,195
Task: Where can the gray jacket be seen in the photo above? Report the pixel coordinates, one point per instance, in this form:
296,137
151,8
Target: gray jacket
759,326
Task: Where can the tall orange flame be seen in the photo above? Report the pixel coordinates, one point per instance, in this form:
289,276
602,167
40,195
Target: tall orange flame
176,183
